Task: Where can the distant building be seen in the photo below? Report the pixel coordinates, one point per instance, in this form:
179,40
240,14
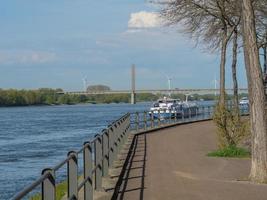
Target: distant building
98,88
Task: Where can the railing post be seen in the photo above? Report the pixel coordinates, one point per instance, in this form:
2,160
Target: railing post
87,171
111,146
126,127
121,133
49,185
170,117
152,119
98,163
165,119
175,116
159,122
119,136
189,110
116,143
182,114
137,121
145,121
196,113
73,175
129,124
105,145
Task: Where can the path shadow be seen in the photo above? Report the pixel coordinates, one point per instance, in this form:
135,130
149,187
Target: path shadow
131,181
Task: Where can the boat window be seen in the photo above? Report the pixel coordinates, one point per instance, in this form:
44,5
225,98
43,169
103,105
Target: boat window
169,101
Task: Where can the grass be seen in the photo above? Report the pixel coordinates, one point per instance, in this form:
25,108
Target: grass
61,190
231,151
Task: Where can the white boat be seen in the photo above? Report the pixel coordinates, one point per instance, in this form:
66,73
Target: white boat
170,108
165,108
244,101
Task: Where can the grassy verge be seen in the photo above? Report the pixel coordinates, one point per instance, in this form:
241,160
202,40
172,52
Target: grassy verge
61,190
231,151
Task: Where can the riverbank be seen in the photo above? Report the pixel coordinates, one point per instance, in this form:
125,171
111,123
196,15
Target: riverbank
47,96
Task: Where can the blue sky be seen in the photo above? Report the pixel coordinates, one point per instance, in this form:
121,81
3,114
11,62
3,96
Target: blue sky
57,43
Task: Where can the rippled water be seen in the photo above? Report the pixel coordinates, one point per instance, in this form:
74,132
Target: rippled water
32,138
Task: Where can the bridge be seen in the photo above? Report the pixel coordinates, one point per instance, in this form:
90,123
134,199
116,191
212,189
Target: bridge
133,91
159,91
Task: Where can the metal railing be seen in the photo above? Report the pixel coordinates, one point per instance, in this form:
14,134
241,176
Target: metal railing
99,154
145,121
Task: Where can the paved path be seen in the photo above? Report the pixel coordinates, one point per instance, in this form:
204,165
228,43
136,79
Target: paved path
171,164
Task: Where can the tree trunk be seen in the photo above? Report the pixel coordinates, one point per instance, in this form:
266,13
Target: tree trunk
265,59
265,68
222,68
258,171
234,63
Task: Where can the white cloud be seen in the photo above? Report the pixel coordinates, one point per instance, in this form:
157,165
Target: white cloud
145,19
26,56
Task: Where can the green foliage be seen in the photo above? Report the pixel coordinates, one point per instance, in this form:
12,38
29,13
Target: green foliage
146,97
47,96
220,119
230,151
178,96
97,88
109,98
61,190
230,128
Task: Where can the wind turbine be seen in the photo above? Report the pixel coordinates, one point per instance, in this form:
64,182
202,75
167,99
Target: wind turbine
169,83
215,81
85,83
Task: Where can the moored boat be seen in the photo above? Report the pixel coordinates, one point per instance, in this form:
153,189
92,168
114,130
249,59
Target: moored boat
244,101
167,108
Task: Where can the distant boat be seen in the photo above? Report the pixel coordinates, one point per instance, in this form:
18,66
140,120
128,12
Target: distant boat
167,108
244,101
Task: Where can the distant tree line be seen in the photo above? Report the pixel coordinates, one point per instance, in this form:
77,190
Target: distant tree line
42,96
47,96
97,88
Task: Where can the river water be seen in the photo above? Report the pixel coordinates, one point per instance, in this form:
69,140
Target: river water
32,138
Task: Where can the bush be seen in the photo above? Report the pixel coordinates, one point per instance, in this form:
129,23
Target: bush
230,128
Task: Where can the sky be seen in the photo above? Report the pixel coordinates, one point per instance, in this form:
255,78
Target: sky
56,44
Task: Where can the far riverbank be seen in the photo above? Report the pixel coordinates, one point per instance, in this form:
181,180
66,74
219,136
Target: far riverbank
47,97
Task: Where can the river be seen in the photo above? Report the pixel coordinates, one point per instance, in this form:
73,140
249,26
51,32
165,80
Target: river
32,138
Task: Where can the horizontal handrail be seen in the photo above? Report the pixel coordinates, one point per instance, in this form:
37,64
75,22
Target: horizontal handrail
61,164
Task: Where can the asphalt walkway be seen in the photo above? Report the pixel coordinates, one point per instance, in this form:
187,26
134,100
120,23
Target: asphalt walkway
171,164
